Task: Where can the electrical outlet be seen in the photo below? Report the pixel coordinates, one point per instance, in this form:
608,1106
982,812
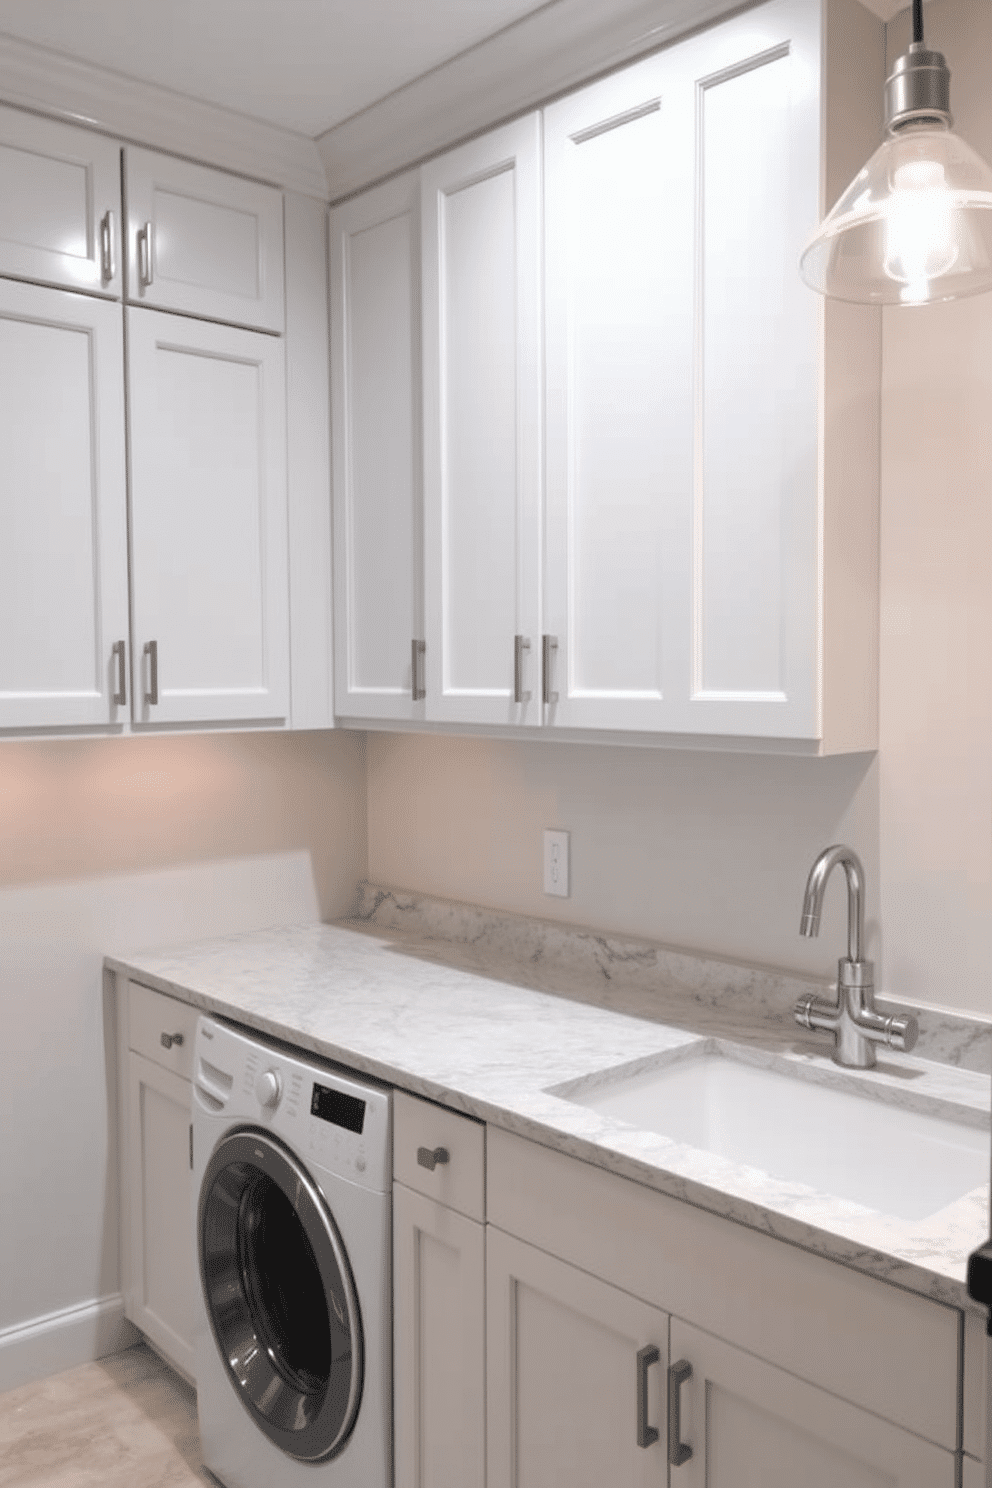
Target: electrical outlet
556,863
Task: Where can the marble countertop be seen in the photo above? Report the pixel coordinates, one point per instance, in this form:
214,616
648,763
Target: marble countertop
488,1014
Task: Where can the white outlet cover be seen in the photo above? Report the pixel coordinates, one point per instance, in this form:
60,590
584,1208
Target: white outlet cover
556,863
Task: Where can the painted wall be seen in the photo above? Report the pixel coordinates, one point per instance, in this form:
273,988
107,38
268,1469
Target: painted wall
711,851
110,844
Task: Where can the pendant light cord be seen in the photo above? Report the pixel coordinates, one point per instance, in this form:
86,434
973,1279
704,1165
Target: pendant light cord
918,20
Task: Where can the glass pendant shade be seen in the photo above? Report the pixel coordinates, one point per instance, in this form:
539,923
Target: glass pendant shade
915,225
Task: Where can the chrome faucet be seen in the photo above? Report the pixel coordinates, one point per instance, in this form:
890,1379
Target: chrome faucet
853,1021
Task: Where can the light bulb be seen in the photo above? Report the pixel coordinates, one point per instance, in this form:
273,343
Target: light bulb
919,240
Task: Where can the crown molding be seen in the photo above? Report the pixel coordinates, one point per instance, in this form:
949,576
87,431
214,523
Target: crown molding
144,114
534,59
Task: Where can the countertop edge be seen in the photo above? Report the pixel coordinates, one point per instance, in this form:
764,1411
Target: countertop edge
826,1244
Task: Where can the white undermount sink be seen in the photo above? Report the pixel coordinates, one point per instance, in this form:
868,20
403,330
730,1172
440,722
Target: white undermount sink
903,1155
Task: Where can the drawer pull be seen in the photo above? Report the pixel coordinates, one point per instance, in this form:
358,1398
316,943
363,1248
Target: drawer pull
168,1039
429,1157
678,1450
646,1435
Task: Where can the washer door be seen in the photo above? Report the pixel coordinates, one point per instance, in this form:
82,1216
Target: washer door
279,1295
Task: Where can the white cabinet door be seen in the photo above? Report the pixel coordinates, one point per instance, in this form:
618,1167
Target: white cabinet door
63,511
571,1393
481,246
439,1344
208,521
376,428
749,1425
60,204
618,265
755,499
162,1264
203,242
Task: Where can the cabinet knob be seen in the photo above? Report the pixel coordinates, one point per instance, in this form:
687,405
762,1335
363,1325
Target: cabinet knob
429,1157
168,1039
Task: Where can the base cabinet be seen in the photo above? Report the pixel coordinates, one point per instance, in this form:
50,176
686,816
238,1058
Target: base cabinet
155,1043
576,1372
750,1425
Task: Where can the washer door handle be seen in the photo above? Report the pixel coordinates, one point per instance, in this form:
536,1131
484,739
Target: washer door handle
429,1158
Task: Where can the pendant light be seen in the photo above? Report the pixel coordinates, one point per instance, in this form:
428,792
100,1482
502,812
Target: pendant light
915,226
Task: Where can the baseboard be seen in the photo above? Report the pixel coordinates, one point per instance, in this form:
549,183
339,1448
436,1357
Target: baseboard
61,1340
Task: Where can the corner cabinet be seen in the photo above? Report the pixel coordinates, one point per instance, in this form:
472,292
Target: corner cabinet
155,367
650,454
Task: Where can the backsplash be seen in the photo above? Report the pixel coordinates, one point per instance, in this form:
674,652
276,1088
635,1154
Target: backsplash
644,979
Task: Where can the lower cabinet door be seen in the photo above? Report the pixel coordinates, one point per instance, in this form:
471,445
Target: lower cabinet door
439,1344
576,1373
161,1271
750,1425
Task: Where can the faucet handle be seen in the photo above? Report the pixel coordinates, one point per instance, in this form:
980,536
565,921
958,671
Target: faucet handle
902,1032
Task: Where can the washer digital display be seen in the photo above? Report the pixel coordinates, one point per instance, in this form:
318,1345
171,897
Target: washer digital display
337,1108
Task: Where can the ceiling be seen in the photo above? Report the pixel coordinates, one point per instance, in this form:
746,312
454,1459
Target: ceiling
301,64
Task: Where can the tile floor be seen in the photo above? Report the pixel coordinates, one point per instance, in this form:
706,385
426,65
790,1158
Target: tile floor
126,1421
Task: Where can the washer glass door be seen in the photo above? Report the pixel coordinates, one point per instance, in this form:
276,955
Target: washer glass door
279,1295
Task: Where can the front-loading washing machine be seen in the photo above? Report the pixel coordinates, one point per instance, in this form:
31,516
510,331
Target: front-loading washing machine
292,1167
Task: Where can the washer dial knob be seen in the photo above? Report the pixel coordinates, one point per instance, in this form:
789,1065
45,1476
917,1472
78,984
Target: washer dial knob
268,1088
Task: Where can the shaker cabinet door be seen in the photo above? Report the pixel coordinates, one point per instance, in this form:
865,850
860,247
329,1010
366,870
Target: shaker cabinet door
750,1425
754,567
619,316
63,511
376,428
60,204
439,1344
202,242
208,521
576,1370
161,1282
481,207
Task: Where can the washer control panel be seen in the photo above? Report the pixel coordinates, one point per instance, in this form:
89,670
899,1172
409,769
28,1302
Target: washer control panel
340,1123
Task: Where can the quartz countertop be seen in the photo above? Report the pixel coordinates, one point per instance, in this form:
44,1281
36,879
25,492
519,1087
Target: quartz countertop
450,1003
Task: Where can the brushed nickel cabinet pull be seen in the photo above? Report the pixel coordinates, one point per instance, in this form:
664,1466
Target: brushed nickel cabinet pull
108,264
151,651
520,645
646,1435
168,1039
119,653
430,1158
678,1450
146,271
549,649
418,651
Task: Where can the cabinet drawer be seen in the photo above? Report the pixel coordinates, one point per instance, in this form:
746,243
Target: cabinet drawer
203,242
60,204
460,1182
886,1350
151,1017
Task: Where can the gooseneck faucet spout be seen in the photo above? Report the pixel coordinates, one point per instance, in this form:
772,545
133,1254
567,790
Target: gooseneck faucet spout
854,1021
817,883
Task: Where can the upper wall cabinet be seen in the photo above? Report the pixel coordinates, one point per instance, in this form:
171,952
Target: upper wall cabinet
63,511
671,527
203,242
60,204
481,213
376,421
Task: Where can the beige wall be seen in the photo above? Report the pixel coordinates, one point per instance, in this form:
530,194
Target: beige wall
710,851
109,844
